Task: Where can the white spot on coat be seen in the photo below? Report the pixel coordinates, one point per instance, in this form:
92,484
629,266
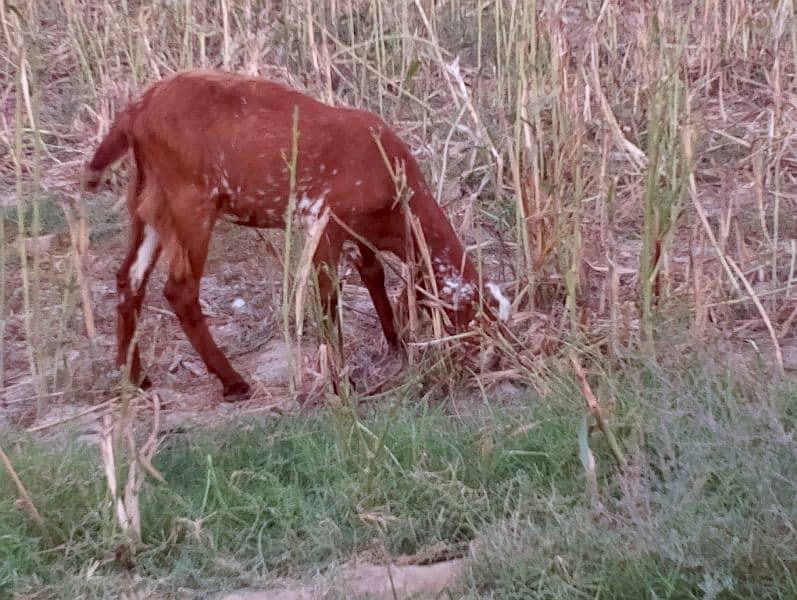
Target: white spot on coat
310,208
225,184
453,285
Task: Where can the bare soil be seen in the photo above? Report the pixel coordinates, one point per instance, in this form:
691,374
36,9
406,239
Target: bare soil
240,296
362,580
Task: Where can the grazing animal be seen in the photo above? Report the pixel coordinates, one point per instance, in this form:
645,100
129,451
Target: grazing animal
208,144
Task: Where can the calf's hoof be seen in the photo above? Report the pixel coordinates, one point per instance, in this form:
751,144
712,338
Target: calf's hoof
236,391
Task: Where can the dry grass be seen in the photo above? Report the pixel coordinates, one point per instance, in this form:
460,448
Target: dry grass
618,166
625,169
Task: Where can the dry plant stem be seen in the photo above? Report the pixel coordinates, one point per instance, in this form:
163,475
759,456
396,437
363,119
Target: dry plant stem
66,310
588,462
787,324
126,503
734,271
147,452
21,250
762,311
595,409
31,95
650,234
635,155
79,243
314,234
109,467
701,307
2,302
23,493
293,375
438,314
132,486
83,413
442,176
7,35
82,246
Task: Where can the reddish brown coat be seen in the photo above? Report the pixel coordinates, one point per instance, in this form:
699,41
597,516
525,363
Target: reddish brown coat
208,144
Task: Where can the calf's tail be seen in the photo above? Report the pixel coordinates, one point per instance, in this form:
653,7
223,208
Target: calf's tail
113,147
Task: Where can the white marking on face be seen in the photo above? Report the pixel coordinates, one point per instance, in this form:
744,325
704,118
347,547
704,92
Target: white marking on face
504,306
453,285
144,257
458,290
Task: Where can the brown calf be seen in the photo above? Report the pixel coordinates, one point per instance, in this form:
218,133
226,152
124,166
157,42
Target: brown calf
208,144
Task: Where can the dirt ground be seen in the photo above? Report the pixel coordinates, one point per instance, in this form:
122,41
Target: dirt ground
240,299
376,582
240,296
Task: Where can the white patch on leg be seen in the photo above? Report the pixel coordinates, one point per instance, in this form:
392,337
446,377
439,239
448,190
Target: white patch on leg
144,257
504,305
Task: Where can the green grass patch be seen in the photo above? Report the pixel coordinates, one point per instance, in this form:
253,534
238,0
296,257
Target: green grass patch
705,509
103,220
51,218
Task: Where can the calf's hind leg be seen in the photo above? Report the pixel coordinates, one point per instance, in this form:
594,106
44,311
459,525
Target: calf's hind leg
131,284
187,261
